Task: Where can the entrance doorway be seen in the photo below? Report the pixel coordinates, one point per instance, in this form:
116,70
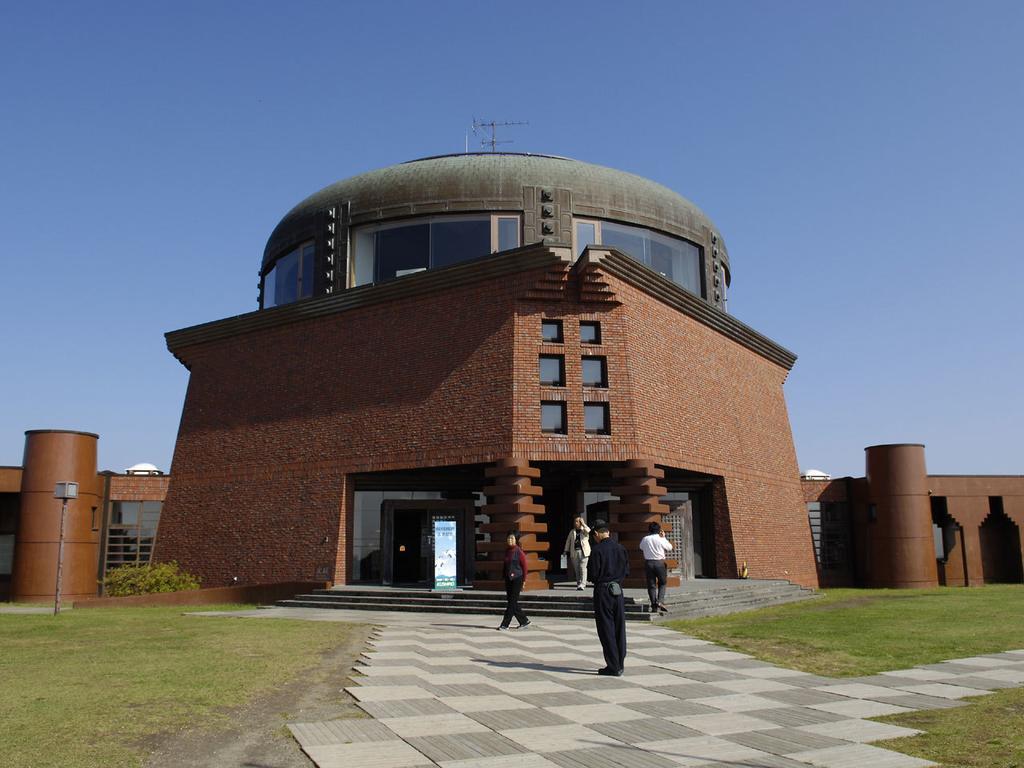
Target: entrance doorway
407,540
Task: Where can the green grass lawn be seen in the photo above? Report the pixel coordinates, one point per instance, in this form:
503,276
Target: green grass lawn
849,632
86,688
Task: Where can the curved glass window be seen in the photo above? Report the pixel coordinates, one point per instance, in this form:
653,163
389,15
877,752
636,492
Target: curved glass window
672,257
291,277
389,251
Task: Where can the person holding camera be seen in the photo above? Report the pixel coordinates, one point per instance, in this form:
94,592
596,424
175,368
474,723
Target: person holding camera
609,567
577,547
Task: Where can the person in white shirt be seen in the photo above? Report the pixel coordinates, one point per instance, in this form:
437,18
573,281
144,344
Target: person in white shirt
577,547
655,546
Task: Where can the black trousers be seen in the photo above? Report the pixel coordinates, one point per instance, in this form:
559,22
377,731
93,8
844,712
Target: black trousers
610,617
657,580
512,589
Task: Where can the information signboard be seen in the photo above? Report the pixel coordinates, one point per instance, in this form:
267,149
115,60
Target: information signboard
445,551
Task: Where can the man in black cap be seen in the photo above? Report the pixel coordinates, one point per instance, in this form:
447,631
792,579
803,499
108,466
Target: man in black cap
608,568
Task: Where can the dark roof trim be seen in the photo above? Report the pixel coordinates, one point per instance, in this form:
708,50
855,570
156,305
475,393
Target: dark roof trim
431,281
636,274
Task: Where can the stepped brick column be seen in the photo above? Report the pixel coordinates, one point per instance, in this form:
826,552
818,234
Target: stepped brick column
512,507
638,506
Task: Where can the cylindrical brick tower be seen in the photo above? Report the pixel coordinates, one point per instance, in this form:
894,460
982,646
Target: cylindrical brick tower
53,456
900,541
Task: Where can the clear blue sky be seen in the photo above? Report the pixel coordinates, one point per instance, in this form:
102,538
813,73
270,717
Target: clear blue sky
864,161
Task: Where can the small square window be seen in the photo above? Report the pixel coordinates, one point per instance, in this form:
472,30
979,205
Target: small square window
551,331
595,372
590,332
595,419
552,370
552,418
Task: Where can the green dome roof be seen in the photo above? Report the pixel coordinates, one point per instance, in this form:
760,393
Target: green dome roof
495,182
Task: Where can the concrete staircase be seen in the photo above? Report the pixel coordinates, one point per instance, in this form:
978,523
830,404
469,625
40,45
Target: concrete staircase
703,597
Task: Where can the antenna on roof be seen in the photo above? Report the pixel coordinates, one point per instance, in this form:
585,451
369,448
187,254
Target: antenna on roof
481,126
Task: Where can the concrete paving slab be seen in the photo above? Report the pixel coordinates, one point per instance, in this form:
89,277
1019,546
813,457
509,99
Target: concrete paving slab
522,760
494,703
644,729
595,713
859,756
859,730
558,738
388,692
783,741
610,757
465,746
702,749
368,754
860,708
739,702
433,725
943,691
722,723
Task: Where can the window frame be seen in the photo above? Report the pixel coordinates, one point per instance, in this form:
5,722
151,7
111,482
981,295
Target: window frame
561,331
603,361
373,228
596,324
560,382
564,417
606,410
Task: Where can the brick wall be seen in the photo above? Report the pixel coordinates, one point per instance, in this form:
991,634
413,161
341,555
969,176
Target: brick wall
275,419
138,487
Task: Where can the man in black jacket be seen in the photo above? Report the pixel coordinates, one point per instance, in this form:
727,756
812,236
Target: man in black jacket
608,568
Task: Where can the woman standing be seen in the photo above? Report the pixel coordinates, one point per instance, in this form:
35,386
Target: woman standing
515,574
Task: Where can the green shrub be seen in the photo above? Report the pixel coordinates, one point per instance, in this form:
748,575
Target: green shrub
145,579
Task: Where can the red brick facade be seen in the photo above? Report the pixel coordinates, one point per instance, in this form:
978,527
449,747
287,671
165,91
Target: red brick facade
277,418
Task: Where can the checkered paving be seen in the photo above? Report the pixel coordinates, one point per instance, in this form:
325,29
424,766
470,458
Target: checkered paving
470,697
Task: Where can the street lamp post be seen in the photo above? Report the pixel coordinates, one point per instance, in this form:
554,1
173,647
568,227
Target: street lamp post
63,491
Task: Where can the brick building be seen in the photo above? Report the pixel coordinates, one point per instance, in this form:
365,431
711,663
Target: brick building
503,341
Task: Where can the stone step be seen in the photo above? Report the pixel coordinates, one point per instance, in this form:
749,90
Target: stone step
496,610
708,599
569,604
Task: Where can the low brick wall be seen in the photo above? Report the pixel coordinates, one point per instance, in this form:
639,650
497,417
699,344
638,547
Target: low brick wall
248,593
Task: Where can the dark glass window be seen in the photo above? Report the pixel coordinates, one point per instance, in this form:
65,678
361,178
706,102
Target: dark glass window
590,332
595,372
291,277
551,331
306,283
552,418
286,285
595,419
552,370
455,241
508,233
672,257
402,251
629,240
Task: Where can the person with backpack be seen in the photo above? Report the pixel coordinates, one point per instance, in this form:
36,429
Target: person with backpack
515,574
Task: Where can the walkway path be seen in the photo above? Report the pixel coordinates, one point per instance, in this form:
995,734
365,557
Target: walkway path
457,694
